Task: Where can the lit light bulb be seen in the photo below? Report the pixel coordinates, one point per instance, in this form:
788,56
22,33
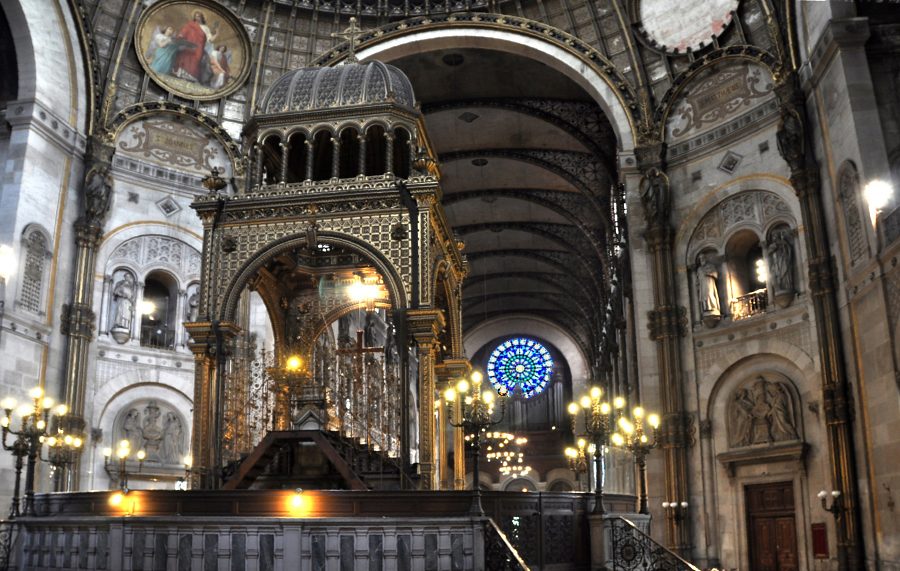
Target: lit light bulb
146,307
48,403
141,455
188,461
450,395
67,439
477,377
77,442
122,453
762,273
573,408
297,499
41,425
596,392
116,499
61,410
585,402
619,403
462,386
124,443
107,451
638,412
8,403
604,408
51,441
582,442
617,439
487,397
36,393
626,425
25,410
571,452
294,363
653,420
878,193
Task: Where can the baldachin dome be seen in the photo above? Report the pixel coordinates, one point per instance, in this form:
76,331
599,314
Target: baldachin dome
355,83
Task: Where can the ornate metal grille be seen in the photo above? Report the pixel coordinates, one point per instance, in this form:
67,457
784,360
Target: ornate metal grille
633,550
33,274
499,554
249,402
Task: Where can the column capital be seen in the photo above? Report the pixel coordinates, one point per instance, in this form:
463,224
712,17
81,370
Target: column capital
425,324
203,335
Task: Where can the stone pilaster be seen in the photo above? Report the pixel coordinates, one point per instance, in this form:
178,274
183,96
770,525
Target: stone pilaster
667,323
794,146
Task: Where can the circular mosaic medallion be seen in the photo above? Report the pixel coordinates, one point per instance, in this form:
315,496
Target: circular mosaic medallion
676,25
521,366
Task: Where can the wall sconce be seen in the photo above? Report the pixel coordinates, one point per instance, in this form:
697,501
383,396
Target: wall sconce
878,194
677,510
837,505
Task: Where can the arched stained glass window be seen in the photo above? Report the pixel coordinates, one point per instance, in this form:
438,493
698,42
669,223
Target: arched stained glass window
520,365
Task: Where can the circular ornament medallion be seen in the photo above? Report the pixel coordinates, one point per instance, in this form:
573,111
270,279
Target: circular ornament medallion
676,25
195,49
521,366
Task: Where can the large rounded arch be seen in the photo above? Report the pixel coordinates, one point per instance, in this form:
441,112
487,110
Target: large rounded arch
393,282
513,35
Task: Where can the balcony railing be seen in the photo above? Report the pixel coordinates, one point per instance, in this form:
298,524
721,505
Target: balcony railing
749,304
157,337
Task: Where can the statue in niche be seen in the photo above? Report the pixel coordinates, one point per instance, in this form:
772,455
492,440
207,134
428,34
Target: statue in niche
781,261
132,429
173,439
152,431
708,279
123,296
654,189
761,413
193,307
344,339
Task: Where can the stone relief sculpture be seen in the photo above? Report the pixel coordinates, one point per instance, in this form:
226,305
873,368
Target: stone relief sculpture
780,252
708,280
157,429
761,412
123,302
192,308
98,188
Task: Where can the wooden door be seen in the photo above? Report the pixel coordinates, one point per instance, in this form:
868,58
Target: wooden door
771,529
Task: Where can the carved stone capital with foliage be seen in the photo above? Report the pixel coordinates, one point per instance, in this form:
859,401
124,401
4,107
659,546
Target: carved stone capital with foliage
667,321
77,320
677,430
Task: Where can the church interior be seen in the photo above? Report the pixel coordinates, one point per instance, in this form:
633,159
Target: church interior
468,285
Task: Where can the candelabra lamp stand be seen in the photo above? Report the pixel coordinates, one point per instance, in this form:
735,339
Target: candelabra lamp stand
123,453
634,439
578,460
599,423
477,414
35,416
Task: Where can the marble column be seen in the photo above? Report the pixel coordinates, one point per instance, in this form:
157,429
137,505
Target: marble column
424,327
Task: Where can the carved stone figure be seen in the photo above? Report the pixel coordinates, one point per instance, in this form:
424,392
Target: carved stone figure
123,295
132,429
97,195
762,413
790,138
708,278
173,439
152,432
781,258
654,190
193,307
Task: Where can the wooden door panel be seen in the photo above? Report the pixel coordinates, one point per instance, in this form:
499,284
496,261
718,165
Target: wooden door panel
771,529
786,542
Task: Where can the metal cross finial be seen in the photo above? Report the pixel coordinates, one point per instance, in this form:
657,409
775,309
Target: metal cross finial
351,34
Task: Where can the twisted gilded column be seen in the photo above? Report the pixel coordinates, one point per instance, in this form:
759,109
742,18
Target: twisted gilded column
78,317
794,146
667,326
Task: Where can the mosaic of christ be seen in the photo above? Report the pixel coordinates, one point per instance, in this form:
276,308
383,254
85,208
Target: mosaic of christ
193,49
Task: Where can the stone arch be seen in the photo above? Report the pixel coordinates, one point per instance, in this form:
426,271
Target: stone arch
576,357
40,64
775,184
146,110
575,59
743,53
242,277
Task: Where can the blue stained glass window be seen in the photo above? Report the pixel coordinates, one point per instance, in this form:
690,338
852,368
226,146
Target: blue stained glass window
521,366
